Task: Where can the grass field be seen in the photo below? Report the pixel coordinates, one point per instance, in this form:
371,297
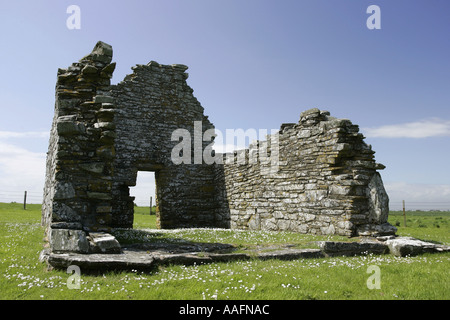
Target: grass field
22,276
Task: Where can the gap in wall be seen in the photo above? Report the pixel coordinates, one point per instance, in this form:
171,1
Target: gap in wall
144,190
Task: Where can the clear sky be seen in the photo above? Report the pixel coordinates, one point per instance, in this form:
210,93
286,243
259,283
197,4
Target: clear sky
252,64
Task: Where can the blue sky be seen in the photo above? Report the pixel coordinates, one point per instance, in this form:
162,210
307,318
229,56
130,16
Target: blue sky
252,64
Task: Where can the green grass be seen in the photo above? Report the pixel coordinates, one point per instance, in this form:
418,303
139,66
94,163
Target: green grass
424,225
22,276
239,238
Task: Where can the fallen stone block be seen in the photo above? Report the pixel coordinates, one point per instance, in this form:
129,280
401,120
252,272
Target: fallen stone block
101,242
408,246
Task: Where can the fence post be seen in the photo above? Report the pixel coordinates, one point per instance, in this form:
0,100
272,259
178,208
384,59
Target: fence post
404,214
151,200
25,201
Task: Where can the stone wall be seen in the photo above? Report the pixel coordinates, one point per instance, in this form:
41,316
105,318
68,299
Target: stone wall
80,157
102,135
151,104
319,177
325,181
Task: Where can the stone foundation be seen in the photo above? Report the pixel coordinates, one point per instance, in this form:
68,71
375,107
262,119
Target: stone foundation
162,254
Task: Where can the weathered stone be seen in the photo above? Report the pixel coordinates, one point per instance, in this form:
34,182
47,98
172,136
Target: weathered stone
102,53
103,209
150,255
291,254
135,259
88,69
254,223
94,167
101,242
378,200
99,195
376,230
62,212
66,225
64,190
105,115
65,128
108,70
67,240
407,246
106,152
126,261
181,67
311,112
103,99
332,248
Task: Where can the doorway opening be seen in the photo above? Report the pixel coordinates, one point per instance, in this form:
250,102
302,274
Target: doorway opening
145,204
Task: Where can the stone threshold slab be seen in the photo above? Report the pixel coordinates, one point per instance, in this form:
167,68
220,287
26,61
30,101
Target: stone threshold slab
141,259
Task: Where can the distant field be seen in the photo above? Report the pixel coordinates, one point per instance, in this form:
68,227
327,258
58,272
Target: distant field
422,277
425,225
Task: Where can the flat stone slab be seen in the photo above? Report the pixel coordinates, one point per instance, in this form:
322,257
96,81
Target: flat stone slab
150,256
173,248
291,254
407,246
334,248
144,260
126,260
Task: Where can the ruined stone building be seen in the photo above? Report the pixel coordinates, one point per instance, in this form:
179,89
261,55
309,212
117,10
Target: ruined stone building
325,180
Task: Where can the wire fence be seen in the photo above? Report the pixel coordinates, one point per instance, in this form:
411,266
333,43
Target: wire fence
420,205
8,196
36,197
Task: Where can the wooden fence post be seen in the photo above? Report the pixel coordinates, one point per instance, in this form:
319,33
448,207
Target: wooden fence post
151,200
25,201
404,214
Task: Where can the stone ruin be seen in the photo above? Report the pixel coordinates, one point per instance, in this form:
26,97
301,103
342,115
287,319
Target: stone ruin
324,181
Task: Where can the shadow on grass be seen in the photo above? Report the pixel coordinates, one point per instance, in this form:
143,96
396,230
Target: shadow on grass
154,240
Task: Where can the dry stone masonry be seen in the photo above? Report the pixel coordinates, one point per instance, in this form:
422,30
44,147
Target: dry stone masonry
315,176
326,182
